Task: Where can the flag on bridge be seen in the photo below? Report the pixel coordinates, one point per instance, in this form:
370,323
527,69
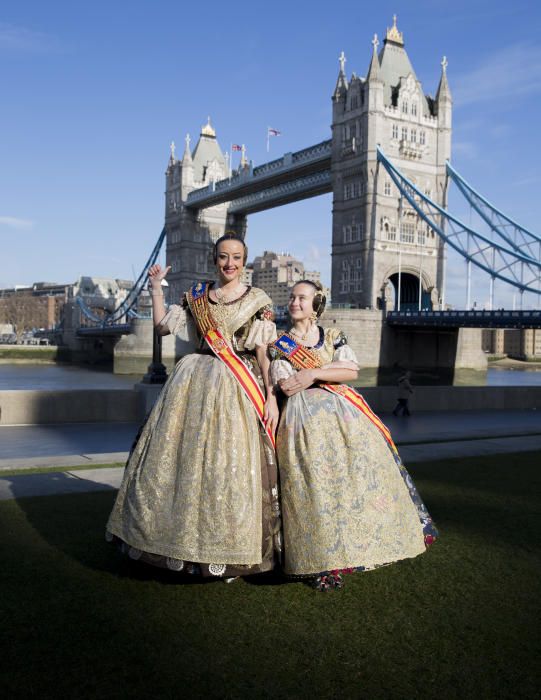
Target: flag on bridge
272,132
236,147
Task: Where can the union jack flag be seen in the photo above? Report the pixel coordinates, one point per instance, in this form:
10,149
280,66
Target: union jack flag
236,147
273,132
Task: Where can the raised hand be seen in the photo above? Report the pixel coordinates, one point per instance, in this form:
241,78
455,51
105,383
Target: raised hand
156,274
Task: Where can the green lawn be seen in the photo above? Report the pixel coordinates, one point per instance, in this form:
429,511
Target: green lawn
461,621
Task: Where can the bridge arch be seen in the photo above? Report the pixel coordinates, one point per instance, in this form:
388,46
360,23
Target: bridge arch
408,277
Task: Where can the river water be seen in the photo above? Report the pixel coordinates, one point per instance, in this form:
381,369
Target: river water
51,377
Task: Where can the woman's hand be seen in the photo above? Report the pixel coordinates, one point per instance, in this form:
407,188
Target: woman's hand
299,381
156,274
271,413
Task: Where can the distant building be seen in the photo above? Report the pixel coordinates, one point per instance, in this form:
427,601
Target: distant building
521,344
41,305
277,273
101,292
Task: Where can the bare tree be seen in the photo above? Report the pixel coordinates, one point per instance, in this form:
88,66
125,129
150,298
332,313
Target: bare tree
24,311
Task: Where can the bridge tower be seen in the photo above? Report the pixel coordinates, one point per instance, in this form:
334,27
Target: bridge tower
191,232
377,239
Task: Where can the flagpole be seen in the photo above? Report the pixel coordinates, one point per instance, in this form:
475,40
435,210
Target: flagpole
231,161
268,132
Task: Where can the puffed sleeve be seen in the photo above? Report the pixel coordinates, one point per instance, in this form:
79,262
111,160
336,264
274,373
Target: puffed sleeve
280,369
263,329
343,351
179,322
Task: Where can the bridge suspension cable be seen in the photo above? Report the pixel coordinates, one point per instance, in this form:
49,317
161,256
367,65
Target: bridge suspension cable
500,262
126,307
501,225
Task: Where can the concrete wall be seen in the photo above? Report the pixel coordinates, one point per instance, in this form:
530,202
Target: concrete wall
458,398
96,406
93,406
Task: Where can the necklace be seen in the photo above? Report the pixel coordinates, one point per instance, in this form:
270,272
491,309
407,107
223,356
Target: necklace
304,336
223,298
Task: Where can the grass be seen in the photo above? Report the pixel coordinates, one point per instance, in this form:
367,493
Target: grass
461,621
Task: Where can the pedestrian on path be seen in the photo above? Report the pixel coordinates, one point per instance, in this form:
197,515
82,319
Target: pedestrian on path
405,390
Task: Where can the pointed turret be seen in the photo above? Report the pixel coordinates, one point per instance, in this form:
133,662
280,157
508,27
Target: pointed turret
172,158
340,91
187,157
374,68
208,159
443,88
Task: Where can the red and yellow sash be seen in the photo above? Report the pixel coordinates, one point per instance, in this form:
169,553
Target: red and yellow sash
198,302
305,358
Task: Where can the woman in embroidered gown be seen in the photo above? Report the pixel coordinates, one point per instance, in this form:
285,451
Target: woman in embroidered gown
199,493
348,503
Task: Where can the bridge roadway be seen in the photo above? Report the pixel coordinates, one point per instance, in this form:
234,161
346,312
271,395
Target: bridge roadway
465,319
295,176
414,319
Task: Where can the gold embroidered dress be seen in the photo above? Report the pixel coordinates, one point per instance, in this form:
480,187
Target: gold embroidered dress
200,489
347,500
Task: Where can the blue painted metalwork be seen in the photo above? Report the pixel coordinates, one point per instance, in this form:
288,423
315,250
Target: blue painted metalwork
126,308
506,264
522,240
466,319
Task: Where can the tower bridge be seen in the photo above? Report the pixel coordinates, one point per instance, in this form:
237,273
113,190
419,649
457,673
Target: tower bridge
387,165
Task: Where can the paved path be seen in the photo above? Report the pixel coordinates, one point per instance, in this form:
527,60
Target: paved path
422,437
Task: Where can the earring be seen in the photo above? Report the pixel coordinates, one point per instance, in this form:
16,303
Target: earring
313,317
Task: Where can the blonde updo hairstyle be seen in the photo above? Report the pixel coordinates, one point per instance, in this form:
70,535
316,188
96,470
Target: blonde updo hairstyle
319,300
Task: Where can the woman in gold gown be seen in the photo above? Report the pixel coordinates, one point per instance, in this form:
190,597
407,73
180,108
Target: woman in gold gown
348,503
199,494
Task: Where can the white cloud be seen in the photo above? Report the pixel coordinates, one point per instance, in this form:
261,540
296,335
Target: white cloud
507,73
21,39
16,223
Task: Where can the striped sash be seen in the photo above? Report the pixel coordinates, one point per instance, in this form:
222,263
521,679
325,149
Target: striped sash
197,299
305,358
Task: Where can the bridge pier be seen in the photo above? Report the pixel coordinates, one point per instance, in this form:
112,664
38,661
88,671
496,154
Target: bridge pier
450,356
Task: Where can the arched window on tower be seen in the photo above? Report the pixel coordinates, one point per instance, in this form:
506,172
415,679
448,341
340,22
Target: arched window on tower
422,138
414,108
387,188
395,131
404,107
345,276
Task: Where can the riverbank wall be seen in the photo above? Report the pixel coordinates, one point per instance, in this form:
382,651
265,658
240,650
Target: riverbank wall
27,407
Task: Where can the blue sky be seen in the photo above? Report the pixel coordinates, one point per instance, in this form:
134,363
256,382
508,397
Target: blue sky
93,93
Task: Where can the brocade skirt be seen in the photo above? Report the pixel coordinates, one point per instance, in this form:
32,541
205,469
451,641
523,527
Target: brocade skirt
200,491
347,500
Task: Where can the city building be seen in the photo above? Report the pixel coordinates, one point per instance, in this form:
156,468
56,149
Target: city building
520,344
190,235
376,237
277,273
41,305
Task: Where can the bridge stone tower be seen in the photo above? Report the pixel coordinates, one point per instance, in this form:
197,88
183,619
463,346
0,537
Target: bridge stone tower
191,232
377,239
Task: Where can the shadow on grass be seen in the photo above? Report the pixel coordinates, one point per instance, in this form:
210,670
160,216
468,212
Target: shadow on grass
495,498
458,621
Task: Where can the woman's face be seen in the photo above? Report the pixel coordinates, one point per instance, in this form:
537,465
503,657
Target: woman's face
230,260
300,302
